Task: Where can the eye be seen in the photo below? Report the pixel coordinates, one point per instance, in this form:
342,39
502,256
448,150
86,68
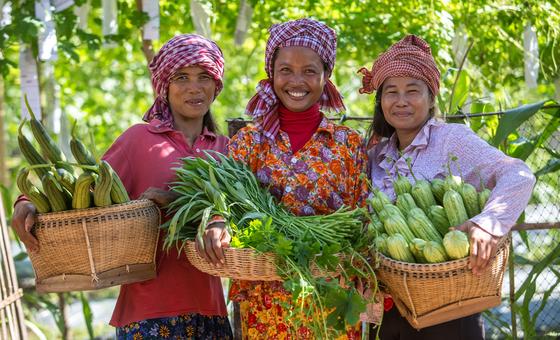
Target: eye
310,71
205,77
180,78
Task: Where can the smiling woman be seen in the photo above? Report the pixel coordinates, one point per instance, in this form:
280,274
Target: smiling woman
309,164
407,139
191,92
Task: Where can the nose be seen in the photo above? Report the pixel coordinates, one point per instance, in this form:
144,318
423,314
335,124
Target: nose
192,86
297,78
402,100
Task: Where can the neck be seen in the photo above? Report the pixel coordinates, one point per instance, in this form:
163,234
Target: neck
406,137
190,128
300,126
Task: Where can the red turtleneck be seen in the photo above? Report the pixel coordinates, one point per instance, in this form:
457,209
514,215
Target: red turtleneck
299,126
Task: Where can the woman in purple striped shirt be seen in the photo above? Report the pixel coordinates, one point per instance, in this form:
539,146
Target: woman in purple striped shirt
406,81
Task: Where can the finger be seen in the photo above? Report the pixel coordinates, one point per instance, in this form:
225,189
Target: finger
208,243
226,239
29,222
217,248
485,258
482,257
474,254
200,249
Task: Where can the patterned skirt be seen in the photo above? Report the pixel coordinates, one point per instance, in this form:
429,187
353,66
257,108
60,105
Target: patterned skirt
267,313
187,326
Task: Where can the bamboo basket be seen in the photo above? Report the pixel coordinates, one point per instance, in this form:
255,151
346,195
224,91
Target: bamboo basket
430,294
244,264
95,248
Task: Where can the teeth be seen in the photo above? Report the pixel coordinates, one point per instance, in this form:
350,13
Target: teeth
297,94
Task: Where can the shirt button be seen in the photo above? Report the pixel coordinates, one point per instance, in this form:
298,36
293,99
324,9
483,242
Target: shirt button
288,189
197,150
293,160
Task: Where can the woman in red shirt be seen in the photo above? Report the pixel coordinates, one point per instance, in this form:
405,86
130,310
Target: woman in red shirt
181,302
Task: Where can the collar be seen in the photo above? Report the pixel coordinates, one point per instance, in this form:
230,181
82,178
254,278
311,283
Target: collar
326,126
157,126
420,141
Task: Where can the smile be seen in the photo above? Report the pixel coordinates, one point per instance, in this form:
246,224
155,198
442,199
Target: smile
298,94
194,101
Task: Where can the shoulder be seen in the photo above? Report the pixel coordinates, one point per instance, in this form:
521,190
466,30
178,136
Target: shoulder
134,134
247,134
349,137
377,149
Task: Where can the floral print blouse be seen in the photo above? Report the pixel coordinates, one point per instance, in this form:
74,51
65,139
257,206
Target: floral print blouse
328,172
318,179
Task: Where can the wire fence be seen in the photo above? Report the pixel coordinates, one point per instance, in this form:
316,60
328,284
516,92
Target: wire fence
537,311
531,292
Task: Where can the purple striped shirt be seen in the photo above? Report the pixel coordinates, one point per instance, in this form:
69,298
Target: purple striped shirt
510,180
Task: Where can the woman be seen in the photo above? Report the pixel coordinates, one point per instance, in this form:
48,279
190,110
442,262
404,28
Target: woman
406,79
311,165
181,302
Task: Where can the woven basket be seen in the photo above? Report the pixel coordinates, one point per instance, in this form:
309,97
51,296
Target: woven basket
95,248
244,264
430,294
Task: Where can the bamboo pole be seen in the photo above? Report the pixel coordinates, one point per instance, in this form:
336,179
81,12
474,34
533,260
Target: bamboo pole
3,139
10,289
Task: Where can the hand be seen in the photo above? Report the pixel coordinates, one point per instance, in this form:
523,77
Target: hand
160,197
483,246
215,238
23,220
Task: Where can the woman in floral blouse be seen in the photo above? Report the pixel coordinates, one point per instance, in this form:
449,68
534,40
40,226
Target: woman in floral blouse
310,165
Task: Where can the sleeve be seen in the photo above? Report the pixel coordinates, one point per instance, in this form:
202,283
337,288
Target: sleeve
510,179
358,177
240,145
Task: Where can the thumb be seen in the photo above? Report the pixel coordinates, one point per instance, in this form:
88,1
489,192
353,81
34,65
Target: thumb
29,222
465,227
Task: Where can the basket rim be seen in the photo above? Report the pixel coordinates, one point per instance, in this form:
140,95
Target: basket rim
459,264
95,211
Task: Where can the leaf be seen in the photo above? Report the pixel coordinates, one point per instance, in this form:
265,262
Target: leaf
348,305
88,315
551,166
21,256
513,118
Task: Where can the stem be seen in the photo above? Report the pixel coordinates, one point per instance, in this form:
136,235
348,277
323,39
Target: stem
458,74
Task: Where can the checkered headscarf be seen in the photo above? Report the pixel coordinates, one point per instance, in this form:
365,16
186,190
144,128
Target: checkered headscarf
305,33
181,51
410,57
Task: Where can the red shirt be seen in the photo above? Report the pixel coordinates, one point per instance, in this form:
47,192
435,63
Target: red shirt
143,156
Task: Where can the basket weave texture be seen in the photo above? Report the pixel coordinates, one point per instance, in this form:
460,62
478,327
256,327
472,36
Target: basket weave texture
96,247
429,294
244,264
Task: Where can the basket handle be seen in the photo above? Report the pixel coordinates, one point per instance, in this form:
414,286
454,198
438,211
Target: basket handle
408,296
90,255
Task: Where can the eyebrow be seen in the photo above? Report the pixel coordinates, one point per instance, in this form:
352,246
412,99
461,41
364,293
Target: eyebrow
304,66
407,85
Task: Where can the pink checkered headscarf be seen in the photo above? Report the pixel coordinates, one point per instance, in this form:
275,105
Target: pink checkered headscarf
410,57
305,33
181,51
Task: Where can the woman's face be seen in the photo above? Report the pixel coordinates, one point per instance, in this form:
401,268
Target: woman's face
191,92
406,103
298,77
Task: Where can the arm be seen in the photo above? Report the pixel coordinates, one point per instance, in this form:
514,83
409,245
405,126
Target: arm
511,182
358,177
